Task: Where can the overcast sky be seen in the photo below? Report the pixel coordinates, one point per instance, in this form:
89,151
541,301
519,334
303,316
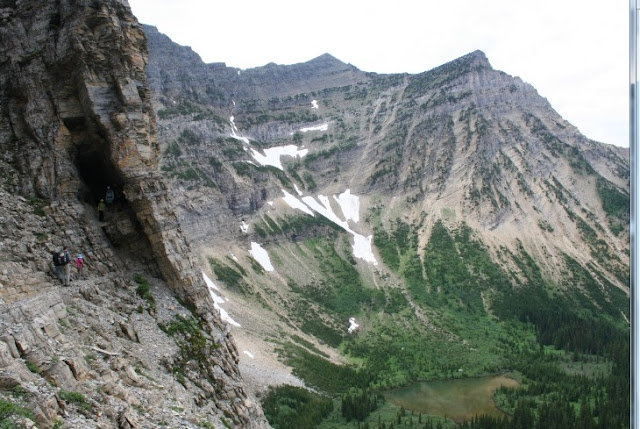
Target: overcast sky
574,52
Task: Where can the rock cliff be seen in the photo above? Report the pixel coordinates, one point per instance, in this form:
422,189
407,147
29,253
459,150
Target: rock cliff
76,117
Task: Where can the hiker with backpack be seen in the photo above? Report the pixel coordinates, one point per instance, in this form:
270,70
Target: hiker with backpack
62,263
58,264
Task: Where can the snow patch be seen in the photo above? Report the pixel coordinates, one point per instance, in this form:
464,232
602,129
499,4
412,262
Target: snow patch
353,326
234,130
314,104
209,282
272,155
350,207
324,208
225,316
295,203
233,256
261,256
248,353
362,248
349,204
217,300
244,227
297,189
321,127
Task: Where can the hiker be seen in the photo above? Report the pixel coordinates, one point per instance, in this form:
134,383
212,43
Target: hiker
67,266
109,197
61,260
58,263
101,207
80,266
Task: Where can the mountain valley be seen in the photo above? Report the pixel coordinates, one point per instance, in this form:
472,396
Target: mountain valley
290,242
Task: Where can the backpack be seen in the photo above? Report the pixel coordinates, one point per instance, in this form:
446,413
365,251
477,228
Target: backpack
60,259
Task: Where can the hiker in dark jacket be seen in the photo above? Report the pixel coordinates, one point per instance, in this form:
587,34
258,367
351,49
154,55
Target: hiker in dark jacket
109,197
57,265
62,264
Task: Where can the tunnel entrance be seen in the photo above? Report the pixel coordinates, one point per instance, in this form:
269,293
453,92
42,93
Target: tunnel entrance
121,227
96,172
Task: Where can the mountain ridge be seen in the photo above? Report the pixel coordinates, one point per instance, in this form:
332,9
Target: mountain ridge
452,215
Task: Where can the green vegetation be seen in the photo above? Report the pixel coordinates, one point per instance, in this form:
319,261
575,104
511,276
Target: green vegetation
33,367
260,173
311,158
188,137
494,321
9,410
71,397
460,314
144,292
232,276
297,225
38,205
173,150
178,160
357,404
186,108
308,179
195,347
322,374
341,291
615,203
545,225
289,407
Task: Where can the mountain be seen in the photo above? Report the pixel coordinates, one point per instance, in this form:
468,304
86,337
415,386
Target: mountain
289,238
453,202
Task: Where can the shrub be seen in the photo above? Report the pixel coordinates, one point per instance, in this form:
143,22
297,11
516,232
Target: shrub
143,290
72,397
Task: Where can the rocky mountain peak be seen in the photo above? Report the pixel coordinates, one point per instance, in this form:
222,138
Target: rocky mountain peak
327,61
477,57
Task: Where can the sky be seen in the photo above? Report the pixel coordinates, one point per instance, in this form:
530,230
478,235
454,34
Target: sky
574,52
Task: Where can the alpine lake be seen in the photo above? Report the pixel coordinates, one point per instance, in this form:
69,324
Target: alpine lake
457,399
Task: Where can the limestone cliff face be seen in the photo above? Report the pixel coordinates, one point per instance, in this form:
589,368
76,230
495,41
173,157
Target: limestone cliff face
76,116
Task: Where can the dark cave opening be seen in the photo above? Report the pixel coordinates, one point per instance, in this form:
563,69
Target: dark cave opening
97,172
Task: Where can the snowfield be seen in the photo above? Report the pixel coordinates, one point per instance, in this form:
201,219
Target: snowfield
272,156
261,256
349,204
217,300
350,208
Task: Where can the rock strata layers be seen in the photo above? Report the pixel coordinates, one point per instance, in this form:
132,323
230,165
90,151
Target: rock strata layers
76,117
